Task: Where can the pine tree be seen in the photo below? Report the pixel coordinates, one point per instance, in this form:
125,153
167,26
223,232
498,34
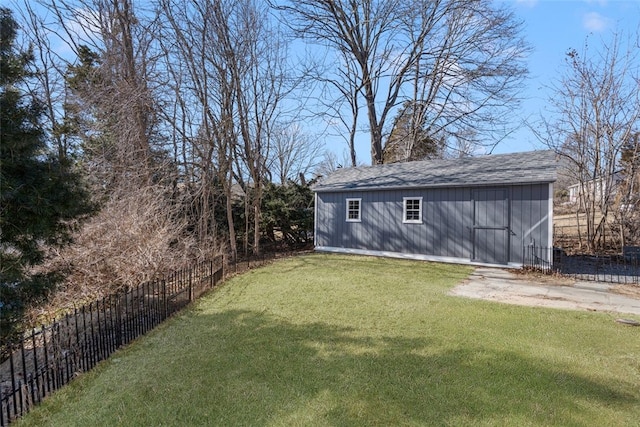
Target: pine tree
39,193
409,140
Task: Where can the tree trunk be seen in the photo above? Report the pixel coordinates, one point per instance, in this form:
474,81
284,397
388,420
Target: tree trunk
376,134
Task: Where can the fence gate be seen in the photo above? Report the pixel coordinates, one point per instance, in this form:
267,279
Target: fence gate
491,225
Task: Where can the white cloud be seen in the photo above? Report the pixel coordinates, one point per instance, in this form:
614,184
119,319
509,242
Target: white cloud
84,23
79,26
595,22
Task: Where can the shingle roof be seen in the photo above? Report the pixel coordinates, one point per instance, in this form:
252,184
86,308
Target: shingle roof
534,167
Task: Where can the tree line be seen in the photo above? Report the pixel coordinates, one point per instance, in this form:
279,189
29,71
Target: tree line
594,126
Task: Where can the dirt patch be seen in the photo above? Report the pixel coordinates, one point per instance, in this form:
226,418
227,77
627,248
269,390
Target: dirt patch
551,279
629,290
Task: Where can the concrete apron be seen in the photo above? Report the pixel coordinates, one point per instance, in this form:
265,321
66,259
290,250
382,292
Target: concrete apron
502,285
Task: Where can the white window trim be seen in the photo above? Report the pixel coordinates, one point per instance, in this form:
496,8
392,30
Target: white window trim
359,210
404,211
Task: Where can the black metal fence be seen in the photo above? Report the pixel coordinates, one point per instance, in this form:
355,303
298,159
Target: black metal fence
623,269
50,356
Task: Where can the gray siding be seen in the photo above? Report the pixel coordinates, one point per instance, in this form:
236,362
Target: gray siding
453,222
530,219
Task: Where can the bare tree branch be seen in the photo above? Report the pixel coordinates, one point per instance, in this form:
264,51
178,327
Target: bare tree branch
463,59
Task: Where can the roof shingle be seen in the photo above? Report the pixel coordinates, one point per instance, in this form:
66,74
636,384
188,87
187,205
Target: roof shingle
534,167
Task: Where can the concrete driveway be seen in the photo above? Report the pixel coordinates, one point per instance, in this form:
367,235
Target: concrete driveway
522,289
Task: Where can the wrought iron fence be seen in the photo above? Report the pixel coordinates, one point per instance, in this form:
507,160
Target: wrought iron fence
623,269
48,357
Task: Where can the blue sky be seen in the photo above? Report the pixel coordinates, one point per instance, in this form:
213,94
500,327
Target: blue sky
553,27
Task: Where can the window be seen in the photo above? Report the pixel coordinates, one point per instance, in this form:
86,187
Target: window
353,210
412,212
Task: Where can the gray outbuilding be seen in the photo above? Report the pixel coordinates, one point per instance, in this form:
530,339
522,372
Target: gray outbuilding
479,210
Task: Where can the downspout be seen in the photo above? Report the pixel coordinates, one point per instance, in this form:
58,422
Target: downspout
550,226
315,220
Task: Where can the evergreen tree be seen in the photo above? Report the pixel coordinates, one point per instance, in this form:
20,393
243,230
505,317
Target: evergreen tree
287,211
409,139
39,193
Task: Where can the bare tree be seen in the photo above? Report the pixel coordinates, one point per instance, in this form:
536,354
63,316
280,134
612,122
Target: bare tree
49,85
293,154
468,73
463,144
627,198
116,93
597,105
262,83
227,65
331,163
96,81
199,102
347,84
463,58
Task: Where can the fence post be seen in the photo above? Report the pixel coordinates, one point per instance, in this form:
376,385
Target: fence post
13,383
77,358
23,382
83,351
7,406
70,350
118,320
47,378
164,298
35,391
211,281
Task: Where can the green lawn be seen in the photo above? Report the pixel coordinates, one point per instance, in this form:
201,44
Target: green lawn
341,340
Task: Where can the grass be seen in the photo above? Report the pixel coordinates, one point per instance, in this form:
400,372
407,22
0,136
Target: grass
341,340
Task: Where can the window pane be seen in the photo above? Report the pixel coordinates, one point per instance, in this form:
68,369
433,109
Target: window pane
353,209
412,209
